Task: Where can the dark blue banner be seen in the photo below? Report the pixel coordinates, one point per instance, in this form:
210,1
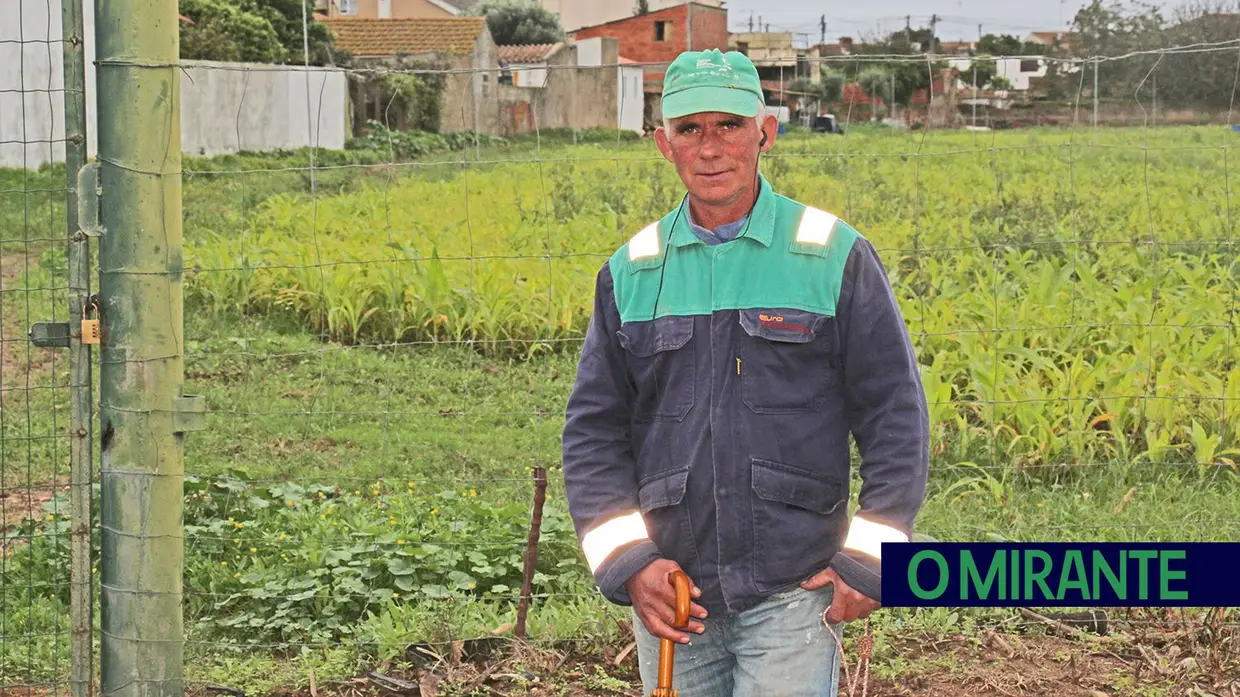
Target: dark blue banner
1061,574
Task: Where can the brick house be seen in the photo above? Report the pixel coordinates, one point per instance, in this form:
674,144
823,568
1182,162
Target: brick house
469,99
656,38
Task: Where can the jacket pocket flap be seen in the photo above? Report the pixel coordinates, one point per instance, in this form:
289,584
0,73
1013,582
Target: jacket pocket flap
663,489
644,339
773,481
788,326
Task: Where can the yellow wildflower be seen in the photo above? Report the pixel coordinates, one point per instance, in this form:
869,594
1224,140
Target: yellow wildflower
473,492
253,550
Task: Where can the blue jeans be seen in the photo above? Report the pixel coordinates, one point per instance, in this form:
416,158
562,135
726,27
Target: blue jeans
781,648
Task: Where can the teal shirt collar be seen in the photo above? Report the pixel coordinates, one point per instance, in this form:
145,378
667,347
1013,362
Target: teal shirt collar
760,224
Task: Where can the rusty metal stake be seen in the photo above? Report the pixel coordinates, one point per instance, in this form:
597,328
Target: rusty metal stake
531,549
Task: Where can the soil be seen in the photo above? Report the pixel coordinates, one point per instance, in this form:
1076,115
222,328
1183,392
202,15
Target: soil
1031,664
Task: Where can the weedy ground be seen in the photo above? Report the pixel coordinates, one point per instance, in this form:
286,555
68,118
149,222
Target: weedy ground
386,352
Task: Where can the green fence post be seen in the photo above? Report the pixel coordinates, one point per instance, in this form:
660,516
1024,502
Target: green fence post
142,411
81,413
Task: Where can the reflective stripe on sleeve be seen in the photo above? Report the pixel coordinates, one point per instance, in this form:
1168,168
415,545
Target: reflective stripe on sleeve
866,536
600,542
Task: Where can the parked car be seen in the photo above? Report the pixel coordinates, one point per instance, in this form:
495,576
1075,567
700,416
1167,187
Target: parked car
826,123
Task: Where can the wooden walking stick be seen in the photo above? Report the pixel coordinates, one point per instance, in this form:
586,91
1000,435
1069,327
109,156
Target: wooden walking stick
667,647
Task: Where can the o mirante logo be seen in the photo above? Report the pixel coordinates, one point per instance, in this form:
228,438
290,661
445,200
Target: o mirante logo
916,574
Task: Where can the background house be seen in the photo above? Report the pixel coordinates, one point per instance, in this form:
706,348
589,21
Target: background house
392,9
579,85
655,39
469,98
577,14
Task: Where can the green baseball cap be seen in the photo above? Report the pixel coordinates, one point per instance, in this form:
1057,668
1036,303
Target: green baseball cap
700,81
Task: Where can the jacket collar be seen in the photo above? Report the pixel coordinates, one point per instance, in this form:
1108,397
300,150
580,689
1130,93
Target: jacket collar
760,227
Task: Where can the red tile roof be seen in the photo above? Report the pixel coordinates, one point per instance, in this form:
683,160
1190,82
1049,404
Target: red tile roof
526,53
390,37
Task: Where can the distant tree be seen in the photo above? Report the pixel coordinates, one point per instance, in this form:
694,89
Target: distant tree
515,22
642,7
832,85
222,31
253,31
1000,83
1008,45
877,83
286,18
980,72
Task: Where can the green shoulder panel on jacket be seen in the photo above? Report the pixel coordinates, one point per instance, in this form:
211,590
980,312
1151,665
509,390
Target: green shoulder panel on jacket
788,256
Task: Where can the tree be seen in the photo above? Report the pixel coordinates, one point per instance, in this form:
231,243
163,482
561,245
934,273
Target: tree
877,83
253,31
832,85
514,22
981,70
1008,45
642,7
222,31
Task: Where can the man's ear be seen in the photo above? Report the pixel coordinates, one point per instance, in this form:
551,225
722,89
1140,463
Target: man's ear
660,140
770,128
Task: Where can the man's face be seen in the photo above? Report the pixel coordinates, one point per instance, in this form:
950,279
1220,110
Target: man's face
716,154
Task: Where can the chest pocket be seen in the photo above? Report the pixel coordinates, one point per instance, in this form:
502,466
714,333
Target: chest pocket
788,360
660,357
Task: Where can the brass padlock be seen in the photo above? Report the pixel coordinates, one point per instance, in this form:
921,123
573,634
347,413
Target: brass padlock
90,327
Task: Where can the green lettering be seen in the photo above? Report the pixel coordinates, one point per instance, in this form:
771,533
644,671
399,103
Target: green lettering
1143,573
1166,574
1038,577
912,574
998,563
1073,563
1118,584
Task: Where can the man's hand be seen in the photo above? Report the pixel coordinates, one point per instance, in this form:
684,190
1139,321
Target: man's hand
654,599
846,604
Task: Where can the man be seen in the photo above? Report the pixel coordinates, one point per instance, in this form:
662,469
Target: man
734,347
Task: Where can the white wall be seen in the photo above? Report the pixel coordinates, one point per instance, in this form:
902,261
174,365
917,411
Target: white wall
224,107
1008,68
32,99
632,102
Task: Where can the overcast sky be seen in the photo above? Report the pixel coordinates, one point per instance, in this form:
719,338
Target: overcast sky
958,18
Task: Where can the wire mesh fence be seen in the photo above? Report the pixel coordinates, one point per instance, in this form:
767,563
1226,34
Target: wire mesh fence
40,650
388,336
384,323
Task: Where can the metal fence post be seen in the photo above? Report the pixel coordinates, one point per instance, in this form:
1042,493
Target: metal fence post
142,411
81,412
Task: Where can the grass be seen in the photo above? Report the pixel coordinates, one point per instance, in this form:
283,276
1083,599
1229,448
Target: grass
1105,411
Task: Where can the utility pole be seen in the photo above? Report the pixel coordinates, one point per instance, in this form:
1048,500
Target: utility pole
822,26
1095,100
934,20
750,22
142,410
